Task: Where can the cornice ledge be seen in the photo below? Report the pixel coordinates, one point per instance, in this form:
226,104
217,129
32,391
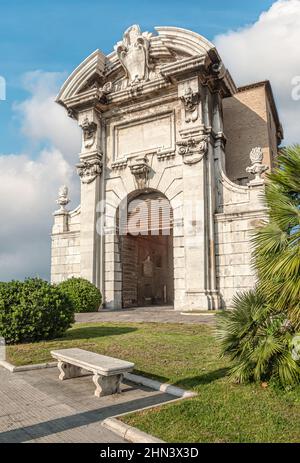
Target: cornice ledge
194,63
145,89
225,216
119,164
90,98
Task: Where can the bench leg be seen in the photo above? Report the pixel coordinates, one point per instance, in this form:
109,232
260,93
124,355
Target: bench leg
107,385
68,371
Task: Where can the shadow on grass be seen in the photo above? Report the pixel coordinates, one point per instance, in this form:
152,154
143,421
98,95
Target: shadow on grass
189,383
89,332
202,380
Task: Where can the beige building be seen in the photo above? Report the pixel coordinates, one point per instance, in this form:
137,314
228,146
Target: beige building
171,169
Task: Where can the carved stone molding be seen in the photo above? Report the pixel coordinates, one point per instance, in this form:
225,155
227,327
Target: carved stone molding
257,168
119,164
104,91
139,167
89,133
193,149
71,113
133,52
190,101
163,155
89,170
135,89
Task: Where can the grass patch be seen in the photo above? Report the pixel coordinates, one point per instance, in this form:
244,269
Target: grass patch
186,356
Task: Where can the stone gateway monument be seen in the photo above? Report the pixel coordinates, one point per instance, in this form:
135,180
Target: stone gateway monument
171,169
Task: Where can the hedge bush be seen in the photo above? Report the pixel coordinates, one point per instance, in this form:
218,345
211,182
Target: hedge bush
33,310
85,296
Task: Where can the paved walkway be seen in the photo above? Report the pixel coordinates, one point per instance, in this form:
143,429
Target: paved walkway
146,314
36,407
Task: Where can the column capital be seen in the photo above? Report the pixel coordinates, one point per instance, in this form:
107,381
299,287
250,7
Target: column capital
193,145
89,167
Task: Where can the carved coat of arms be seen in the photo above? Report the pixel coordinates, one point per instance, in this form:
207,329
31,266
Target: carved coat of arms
133,52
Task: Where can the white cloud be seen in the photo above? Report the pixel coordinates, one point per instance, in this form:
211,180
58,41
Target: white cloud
28,187
43,119
269,49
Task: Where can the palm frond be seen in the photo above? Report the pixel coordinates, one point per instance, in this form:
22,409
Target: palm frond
256,334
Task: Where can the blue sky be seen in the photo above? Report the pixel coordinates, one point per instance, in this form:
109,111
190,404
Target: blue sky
41,42
56,36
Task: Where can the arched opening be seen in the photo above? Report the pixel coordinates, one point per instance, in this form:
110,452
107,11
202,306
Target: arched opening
145,224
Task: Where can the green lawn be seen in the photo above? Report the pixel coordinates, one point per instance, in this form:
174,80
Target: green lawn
187,356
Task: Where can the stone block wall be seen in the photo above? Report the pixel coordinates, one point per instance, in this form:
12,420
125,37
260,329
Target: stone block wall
233,253
65,249
65,257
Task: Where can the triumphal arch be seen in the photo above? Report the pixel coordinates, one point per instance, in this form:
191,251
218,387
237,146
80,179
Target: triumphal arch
171,167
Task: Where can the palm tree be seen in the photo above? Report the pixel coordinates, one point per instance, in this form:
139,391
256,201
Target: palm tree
257,334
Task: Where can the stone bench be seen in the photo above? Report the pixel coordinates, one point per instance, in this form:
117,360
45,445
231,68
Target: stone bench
107,372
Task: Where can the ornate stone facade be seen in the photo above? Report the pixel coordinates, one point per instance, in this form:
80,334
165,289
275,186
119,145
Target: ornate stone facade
161,120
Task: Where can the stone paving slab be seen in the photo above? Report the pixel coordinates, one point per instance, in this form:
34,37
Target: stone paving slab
155,314
36,407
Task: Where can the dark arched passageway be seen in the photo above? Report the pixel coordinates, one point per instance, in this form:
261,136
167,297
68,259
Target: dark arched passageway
146,250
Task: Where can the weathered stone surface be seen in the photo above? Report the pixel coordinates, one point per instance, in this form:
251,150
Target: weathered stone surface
108,372
162,116
35,407
93,362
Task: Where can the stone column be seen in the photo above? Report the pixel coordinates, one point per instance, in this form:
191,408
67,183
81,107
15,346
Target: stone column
59,229
197,150
218,129
89,170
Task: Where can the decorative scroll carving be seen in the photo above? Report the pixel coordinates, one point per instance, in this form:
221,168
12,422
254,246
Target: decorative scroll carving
88,170
190,100
193,149
133,52
89,132
140,169
71,113
257,168
104,91
107,87
63,198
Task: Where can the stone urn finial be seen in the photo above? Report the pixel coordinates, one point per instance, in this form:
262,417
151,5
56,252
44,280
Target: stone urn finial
63,198
257,168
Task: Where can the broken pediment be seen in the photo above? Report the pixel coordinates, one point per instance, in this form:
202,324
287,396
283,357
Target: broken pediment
137,61
89,71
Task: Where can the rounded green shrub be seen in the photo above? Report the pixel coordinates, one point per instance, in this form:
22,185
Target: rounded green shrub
85,296
33,310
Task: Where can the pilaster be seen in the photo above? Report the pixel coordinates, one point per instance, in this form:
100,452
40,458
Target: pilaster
89,170
197,149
